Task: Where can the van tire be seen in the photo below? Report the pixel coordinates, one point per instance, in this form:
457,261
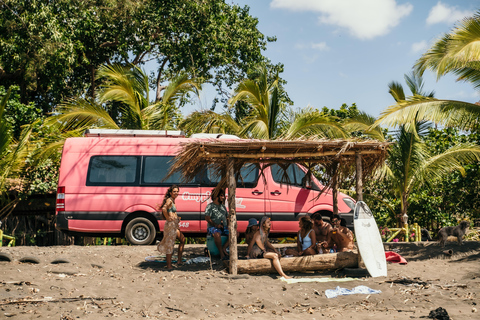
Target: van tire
140,231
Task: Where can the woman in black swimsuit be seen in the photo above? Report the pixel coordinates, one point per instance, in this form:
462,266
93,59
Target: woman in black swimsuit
257,248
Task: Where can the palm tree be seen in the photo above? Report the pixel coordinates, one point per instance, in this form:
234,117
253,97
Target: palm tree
410,164
457,53
126,88
267,118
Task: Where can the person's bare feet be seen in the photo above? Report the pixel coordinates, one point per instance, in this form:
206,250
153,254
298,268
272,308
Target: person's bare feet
287,277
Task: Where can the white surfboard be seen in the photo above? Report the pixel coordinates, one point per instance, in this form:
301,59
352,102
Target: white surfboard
369,241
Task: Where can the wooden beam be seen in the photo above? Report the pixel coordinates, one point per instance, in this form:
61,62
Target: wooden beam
328,261
359,176
232,216
335,188
261,155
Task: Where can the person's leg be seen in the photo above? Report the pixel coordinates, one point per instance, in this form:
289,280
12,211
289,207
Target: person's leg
169,261
217,238
276,263
309,252
181,238
291,252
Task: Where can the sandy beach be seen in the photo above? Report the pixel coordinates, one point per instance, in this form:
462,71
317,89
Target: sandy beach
96,282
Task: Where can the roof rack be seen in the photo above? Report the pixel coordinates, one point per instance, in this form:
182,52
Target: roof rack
213,136
133,133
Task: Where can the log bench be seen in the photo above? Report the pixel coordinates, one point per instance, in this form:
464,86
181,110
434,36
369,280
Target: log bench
318,262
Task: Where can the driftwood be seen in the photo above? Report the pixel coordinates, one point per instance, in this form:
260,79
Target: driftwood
49,299
328,261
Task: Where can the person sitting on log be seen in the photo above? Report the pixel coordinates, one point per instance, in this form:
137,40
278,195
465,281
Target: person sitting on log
216,217
252,228
257,248
306,240
340,235
322,230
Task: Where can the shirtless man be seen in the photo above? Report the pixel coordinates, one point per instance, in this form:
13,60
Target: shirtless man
322,230
340,235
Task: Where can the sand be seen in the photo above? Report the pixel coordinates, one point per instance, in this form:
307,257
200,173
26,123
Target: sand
116,282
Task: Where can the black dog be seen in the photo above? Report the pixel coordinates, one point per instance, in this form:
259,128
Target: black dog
457,231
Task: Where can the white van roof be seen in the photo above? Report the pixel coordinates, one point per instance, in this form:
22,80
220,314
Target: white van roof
213,136
133,133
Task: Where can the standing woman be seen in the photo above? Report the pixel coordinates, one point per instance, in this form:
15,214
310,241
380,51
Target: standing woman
306,240
257,248
171,230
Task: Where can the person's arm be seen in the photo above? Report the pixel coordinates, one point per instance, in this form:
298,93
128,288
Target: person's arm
313,236
299,244
250,245
208,217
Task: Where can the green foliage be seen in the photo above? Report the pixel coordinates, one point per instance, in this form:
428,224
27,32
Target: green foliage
52,50
18,114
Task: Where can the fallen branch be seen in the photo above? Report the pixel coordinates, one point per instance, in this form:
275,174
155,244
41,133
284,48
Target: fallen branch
49,299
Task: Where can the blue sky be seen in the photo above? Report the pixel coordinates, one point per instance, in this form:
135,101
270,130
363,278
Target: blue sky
347,51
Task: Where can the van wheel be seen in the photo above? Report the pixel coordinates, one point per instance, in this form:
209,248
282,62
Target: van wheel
140,231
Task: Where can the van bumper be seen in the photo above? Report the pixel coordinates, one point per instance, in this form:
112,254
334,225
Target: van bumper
61,222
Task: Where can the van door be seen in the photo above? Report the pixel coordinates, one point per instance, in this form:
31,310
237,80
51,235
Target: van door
249,195
287,198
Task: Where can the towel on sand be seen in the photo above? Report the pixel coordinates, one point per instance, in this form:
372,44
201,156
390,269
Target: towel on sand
332,293
298,280
395,257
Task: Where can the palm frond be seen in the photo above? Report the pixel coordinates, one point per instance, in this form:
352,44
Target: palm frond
209,122
364,123
82,113
448,113
452,159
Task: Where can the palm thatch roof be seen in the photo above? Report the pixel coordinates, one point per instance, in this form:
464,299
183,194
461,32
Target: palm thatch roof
310,153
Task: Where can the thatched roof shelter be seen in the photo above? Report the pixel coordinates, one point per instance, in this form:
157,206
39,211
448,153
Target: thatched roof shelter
195,155
226,157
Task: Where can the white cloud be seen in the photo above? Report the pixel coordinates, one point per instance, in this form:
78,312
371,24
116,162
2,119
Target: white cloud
446,14
320,46
421,46
364,19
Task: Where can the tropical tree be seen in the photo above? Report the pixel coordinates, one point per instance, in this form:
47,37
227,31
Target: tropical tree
123,102
12,158
455,53
411,163
267,117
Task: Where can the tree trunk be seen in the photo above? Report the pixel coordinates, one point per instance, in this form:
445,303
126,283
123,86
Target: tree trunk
232,216
335,189
359,176
328,261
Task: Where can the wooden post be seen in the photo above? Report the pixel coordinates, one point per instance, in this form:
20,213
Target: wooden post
359,186
232,216
335,188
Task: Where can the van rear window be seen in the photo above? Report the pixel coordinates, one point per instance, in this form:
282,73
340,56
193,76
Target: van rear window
113,171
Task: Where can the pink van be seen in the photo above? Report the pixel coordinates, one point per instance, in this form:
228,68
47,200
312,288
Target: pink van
111,182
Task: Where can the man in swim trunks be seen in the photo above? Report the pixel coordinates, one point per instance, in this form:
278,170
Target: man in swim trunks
322,230
216,216
341,235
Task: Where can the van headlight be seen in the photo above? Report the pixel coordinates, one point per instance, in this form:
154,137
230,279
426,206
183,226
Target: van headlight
349,202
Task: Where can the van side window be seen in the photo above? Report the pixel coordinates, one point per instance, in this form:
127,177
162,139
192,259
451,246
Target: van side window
247,177
113,171
283,177
155,170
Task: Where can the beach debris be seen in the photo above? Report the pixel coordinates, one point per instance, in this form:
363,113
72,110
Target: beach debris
59,260
407,281
333,293
198,260
50,299
29,259
448,252
439,314
5,257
